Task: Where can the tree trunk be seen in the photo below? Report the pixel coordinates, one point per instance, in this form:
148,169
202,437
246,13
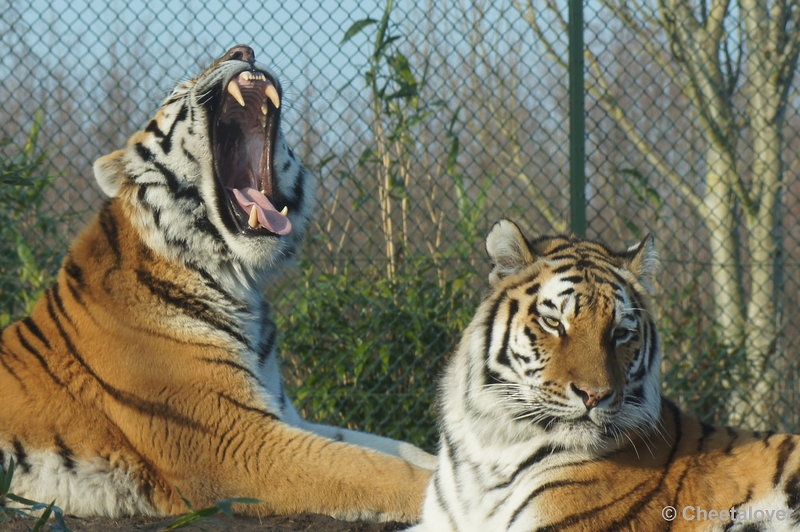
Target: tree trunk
721,225
766,102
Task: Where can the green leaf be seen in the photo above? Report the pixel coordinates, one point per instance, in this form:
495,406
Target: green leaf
5,480
225,504
380,43
356,28
21,500
45,516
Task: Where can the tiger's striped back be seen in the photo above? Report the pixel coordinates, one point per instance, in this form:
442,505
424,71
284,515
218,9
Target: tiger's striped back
552,417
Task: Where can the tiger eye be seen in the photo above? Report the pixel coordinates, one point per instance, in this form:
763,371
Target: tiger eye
551,322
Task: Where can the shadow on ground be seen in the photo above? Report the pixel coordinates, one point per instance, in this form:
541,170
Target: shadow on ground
293,523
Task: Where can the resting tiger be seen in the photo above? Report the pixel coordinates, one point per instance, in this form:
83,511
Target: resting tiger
552,417
149,369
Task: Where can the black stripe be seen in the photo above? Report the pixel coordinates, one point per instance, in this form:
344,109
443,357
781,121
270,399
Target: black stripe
442,502
266,348
532,338
562,269
284,399
533,289
204,225
166,142
261,411
784,451
152,127
230,364
144,153
502,356
523,358
187,153
488,326
109,226
211,283
189,304
172,180
55,293
792,490
65,453
76,295
541,489
286,166
566,292
34,329
298,191
655,345
574,279
746,499
74,271
708,430
35,352
225,441
22,457
560,248
542,453
11,371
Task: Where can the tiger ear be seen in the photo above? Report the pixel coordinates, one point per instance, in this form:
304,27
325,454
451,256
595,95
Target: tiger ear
642,261
109,171
507,249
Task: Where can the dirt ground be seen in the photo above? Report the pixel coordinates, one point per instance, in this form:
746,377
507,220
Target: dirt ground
293,523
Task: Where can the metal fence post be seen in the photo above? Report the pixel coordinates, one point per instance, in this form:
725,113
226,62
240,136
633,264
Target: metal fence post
577,126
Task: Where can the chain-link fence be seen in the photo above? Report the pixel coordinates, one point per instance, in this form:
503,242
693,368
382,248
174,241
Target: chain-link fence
425,135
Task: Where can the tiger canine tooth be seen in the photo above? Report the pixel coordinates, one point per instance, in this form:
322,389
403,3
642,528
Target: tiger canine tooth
285,211
263,109
272,94
253,222
233,90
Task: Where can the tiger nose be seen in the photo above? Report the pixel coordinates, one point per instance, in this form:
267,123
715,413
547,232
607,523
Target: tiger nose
241,52
591,397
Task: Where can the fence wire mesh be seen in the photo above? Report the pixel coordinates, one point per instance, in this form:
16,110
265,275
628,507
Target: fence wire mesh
421,144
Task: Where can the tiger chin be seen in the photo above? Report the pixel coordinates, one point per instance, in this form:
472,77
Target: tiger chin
552,417
149,370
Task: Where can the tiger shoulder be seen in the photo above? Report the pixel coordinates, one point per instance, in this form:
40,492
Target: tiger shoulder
149,371
552,417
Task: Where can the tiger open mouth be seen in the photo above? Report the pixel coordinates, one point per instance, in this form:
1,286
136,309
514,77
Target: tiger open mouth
243,136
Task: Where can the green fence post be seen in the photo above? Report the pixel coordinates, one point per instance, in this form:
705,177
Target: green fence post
577,125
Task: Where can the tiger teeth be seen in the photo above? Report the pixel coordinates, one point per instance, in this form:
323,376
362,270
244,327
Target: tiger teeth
233,90
250,76
285,211
272,94
253,222
263,109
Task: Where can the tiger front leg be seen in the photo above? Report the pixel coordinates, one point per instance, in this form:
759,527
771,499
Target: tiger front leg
406,451
293,471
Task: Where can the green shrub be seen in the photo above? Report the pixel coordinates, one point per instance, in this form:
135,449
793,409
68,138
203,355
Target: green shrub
367,352
27,263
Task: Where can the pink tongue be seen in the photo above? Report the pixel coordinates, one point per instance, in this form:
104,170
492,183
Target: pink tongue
268,216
